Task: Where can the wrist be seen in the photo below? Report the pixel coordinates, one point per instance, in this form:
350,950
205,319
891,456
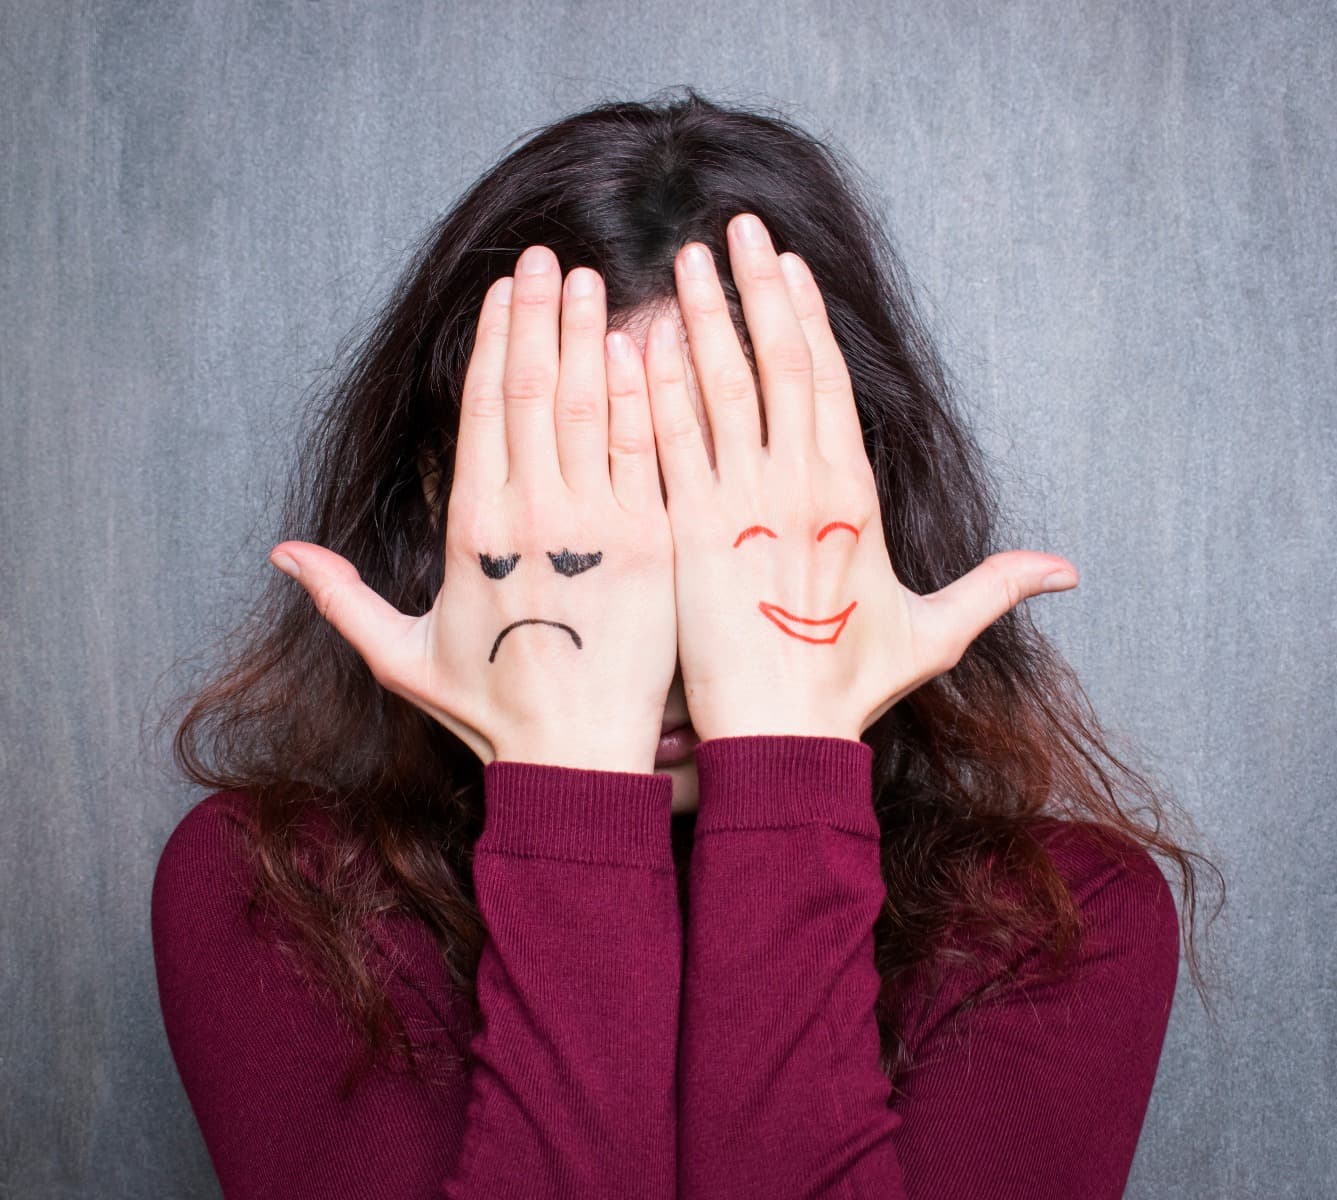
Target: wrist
744,719
759,782
761,727
587,750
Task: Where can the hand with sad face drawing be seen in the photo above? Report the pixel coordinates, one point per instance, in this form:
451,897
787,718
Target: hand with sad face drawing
790,617
552,638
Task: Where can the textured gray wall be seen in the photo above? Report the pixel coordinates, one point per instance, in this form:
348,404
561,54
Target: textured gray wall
1122,215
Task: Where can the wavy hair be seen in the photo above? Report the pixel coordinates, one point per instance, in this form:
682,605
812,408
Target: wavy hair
963,767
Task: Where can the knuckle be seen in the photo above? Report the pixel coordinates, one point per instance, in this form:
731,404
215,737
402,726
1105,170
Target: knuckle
578,408
663,372
484,401
624,389
862,484
537,510
327,598
854,492
529,381
534,295
1007,584
766,271
830,373
494,327
650,550
788,357
629,445
681,433
581,317
462,533
467,528
735,387
701,302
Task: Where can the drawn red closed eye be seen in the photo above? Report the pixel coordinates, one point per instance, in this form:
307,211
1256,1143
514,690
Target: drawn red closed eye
752,531
838,525
755,530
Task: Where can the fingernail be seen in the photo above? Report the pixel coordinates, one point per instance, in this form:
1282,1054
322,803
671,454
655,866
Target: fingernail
793,271
580,283
696,260
535,261
287,565
619,345
503,292
750,230
664,332
1058,579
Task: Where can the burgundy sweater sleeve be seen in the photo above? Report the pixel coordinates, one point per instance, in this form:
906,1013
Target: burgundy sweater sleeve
566,1088
573,1087
780,1088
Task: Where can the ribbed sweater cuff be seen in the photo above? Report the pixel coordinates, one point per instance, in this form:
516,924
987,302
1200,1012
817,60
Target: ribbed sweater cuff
613,817
770,781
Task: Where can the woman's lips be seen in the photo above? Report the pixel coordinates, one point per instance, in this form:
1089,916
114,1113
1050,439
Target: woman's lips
676,745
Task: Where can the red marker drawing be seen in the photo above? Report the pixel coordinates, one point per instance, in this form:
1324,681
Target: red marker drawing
752,531
755,530
790,623
785,621
838,525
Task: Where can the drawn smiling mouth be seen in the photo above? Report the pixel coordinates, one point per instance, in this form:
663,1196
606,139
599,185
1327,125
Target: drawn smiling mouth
793,624
575,637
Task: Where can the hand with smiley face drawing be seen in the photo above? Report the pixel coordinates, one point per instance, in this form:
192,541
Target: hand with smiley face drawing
790,617
552,639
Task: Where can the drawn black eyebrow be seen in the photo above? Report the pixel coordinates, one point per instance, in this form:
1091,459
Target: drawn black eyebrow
567,563
498,568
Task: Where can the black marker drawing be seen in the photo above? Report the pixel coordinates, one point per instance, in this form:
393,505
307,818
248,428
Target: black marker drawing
567,563
498,568
575,637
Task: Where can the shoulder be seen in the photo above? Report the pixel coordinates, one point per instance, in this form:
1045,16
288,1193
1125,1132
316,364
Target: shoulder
201,909
1122,975
205,854
208,857
1130,928
1128,923
264,1045
210,840
1110,875
208,939
223,818
202,884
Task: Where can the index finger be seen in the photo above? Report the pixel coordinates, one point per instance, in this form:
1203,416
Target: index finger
784,361
839,433
480,446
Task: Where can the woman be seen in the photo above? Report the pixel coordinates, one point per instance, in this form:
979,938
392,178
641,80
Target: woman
593,834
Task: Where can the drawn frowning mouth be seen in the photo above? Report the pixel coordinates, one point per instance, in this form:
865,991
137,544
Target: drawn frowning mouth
794,625
575,637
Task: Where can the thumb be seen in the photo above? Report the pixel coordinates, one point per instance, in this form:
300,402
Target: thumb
376,629
956,615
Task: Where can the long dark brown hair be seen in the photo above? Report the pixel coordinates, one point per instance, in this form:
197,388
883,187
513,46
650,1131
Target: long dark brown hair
964,766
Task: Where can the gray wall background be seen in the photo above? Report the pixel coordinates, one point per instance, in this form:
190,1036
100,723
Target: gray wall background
1120,216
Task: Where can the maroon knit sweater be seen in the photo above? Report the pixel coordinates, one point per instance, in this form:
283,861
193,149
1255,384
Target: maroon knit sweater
629,1051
